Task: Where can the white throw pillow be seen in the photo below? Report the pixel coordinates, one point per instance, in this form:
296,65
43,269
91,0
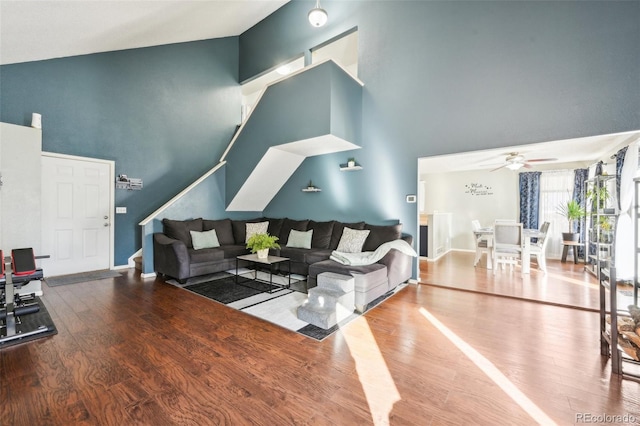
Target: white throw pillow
352,240
300,239
256,228
203,240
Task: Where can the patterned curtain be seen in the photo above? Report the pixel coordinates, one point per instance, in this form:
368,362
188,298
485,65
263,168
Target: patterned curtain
529,199
579,178
598,172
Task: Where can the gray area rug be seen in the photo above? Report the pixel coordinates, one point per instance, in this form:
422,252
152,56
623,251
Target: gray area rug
279,307
81,277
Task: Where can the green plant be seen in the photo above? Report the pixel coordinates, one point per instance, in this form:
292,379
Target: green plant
572,211
600,197
262,241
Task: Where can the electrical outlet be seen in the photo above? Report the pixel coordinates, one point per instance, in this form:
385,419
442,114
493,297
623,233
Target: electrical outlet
121,210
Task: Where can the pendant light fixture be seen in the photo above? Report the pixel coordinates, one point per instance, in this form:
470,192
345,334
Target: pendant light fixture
318,16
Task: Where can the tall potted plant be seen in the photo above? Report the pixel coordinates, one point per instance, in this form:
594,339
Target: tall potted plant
572,211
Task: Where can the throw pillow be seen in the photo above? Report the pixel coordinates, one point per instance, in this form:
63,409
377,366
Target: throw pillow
203,240
352,240
256,228
300,239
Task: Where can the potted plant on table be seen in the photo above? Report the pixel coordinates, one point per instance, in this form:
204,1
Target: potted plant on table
572,211
261,243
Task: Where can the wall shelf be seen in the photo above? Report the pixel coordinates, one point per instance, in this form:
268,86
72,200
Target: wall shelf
311,189
346,168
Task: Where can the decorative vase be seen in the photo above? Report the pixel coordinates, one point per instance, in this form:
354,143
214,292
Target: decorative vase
570,236
263,254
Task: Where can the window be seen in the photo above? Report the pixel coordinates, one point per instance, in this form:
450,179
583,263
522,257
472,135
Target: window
556,188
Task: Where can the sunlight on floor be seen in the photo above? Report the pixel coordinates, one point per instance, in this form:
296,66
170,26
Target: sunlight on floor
492,372
561,277
377,383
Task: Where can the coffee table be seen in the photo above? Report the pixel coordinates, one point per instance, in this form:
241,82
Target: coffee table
270,261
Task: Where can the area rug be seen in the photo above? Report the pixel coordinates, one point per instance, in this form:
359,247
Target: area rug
81,277
278,307
32,322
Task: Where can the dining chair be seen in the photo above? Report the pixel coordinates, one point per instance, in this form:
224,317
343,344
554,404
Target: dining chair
482,244
538,249
507,244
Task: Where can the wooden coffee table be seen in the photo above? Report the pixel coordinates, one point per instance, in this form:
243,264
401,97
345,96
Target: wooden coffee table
269,261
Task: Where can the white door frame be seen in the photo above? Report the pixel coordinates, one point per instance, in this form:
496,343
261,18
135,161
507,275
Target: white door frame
112,208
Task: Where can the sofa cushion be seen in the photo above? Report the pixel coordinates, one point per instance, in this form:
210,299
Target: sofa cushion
321,233
223,228
295,254
287,226
204,240
317,255
352,240
179,229
233,250
380,235
375,273
337,232
206,255
255,228
239,228
300,239
275,225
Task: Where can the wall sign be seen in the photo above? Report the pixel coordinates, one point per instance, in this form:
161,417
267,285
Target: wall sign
478,189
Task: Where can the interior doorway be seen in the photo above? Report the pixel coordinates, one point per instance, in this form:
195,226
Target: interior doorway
77,207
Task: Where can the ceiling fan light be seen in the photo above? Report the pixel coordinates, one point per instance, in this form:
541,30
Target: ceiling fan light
318,16
514,166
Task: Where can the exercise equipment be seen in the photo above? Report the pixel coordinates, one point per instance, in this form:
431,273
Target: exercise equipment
18,270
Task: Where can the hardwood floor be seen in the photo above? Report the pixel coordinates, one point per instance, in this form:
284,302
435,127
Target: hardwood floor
564,284
134,351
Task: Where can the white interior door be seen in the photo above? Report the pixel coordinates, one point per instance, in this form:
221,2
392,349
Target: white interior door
76,219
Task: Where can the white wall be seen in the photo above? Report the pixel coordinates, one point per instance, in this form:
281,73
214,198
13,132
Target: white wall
20,194
482,195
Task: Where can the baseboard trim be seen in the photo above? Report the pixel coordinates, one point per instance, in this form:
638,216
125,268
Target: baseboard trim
121,267
151,275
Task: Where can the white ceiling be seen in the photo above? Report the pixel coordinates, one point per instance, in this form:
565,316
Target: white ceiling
46,29
569,153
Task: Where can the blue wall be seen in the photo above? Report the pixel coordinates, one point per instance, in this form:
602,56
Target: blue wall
164,114
447,77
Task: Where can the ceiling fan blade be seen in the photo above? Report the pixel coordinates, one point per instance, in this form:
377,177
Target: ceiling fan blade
538,160
498,168
526,165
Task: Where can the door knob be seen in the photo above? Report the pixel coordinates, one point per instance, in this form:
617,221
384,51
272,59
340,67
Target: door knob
106,217
106,224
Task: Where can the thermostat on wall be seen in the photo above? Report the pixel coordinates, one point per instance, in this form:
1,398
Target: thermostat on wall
411,198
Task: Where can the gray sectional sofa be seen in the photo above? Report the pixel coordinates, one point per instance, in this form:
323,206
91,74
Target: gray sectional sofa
175,256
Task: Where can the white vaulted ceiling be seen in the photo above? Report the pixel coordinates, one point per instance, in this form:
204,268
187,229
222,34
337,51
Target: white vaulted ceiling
46,29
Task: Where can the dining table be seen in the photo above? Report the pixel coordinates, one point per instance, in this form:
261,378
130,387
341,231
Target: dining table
527,236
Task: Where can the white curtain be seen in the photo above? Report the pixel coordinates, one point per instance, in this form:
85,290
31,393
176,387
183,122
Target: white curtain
556,188
624,231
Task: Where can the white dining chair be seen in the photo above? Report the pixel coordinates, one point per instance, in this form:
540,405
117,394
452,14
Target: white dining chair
507,244
538,249
482,244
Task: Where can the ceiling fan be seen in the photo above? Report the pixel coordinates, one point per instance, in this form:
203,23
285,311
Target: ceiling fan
515,161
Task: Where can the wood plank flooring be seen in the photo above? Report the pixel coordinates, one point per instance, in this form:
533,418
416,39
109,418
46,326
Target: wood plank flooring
134,351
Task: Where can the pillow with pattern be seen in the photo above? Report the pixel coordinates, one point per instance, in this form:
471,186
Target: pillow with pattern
352,240
256,228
